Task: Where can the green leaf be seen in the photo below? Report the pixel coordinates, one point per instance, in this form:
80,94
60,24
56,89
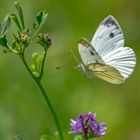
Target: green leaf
5,25
40,20
37,66
15,19
34,56
33,69
46,137
16,46
3,41
38,62
38,59
20,13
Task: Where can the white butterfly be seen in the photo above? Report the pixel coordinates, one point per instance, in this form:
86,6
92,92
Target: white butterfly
106,57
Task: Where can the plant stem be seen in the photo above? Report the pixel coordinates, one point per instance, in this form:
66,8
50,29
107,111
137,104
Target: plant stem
44,95
86,137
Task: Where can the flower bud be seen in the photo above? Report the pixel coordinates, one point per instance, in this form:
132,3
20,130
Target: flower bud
44,40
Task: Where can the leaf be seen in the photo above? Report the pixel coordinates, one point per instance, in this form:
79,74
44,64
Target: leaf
40,20
20,13
37,66
38,62
33,69
15,19
5,25
3,41
16,46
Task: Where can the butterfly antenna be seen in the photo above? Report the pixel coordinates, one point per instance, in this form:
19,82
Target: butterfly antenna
74,56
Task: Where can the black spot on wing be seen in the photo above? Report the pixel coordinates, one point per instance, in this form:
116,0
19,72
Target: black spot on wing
92,53
111,35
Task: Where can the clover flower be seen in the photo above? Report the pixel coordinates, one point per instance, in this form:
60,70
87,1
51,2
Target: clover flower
87,125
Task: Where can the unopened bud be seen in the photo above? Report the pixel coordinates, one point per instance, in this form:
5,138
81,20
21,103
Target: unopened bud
44,40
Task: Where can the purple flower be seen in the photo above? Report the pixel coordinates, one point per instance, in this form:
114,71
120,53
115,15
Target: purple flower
87,125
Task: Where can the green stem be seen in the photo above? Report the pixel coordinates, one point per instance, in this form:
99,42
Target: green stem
86,137
45,97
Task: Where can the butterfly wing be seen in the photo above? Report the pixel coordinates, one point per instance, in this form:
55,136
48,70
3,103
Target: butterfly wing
87,53
122,59
107,73
94,65
108,36
108,41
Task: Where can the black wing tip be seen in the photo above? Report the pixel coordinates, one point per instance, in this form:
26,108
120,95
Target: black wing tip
85,42
110,21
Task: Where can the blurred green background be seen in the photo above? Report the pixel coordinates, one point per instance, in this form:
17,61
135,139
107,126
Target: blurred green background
23,110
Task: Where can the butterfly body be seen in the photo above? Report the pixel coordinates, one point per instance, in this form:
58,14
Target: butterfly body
106,57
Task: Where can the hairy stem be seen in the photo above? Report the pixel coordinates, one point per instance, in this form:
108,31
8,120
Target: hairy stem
44,95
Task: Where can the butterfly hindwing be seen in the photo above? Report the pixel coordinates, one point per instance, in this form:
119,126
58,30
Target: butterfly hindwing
123,59
106,73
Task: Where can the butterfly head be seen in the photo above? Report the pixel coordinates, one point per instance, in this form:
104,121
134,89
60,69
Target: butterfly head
80,67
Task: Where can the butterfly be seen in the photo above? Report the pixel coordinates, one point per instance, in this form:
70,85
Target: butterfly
105,56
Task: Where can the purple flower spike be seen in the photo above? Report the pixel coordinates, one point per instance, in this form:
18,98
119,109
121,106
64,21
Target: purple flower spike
87,125
100,130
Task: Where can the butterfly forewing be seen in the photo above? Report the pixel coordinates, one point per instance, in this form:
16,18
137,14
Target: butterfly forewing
108,36
88,53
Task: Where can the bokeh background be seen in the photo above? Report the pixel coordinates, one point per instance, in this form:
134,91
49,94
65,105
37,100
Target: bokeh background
23,110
